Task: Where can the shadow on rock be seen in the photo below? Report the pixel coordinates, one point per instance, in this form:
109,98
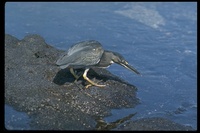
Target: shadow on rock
64,76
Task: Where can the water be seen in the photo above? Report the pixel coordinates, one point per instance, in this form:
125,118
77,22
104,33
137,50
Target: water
158,39
15,120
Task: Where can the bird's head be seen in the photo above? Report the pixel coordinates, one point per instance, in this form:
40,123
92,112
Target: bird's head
119,59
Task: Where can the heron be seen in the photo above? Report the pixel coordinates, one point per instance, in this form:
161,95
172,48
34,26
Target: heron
89,54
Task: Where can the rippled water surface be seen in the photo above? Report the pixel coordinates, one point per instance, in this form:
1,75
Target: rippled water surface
158,39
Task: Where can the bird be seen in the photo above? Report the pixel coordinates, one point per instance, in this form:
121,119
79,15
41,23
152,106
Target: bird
90,54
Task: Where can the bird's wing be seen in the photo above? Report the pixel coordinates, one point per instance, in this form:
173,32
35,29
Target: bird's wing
82,45
81,57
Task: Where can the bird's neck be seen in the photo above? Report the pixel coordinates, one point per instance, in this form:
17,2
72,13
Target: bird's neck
105,60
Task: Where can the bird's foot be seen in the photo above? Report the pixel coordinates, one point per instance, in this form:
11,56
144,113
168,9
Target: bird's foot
94,84
87,86
90,81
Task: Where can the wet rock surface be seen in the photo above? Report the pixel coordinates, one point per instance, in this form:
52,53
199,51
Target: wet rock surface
49,95
155,123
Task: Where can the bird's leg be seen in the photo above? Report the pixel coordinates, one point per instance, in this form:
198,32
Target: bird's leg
73,73
90,81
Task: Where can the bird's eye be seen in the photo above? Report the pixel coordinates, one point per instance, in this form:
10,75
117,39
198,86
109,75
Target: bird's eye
94,49
125,62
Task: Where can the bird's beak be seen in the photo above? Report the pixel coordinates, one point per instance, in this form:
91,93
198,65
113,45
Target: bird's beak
126,65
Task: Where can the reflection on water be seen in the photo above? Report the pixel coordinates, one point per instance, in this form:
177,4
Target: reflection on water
102,125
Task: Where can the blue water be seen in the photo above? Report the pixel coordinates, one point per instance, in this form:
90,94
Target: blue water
158,39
